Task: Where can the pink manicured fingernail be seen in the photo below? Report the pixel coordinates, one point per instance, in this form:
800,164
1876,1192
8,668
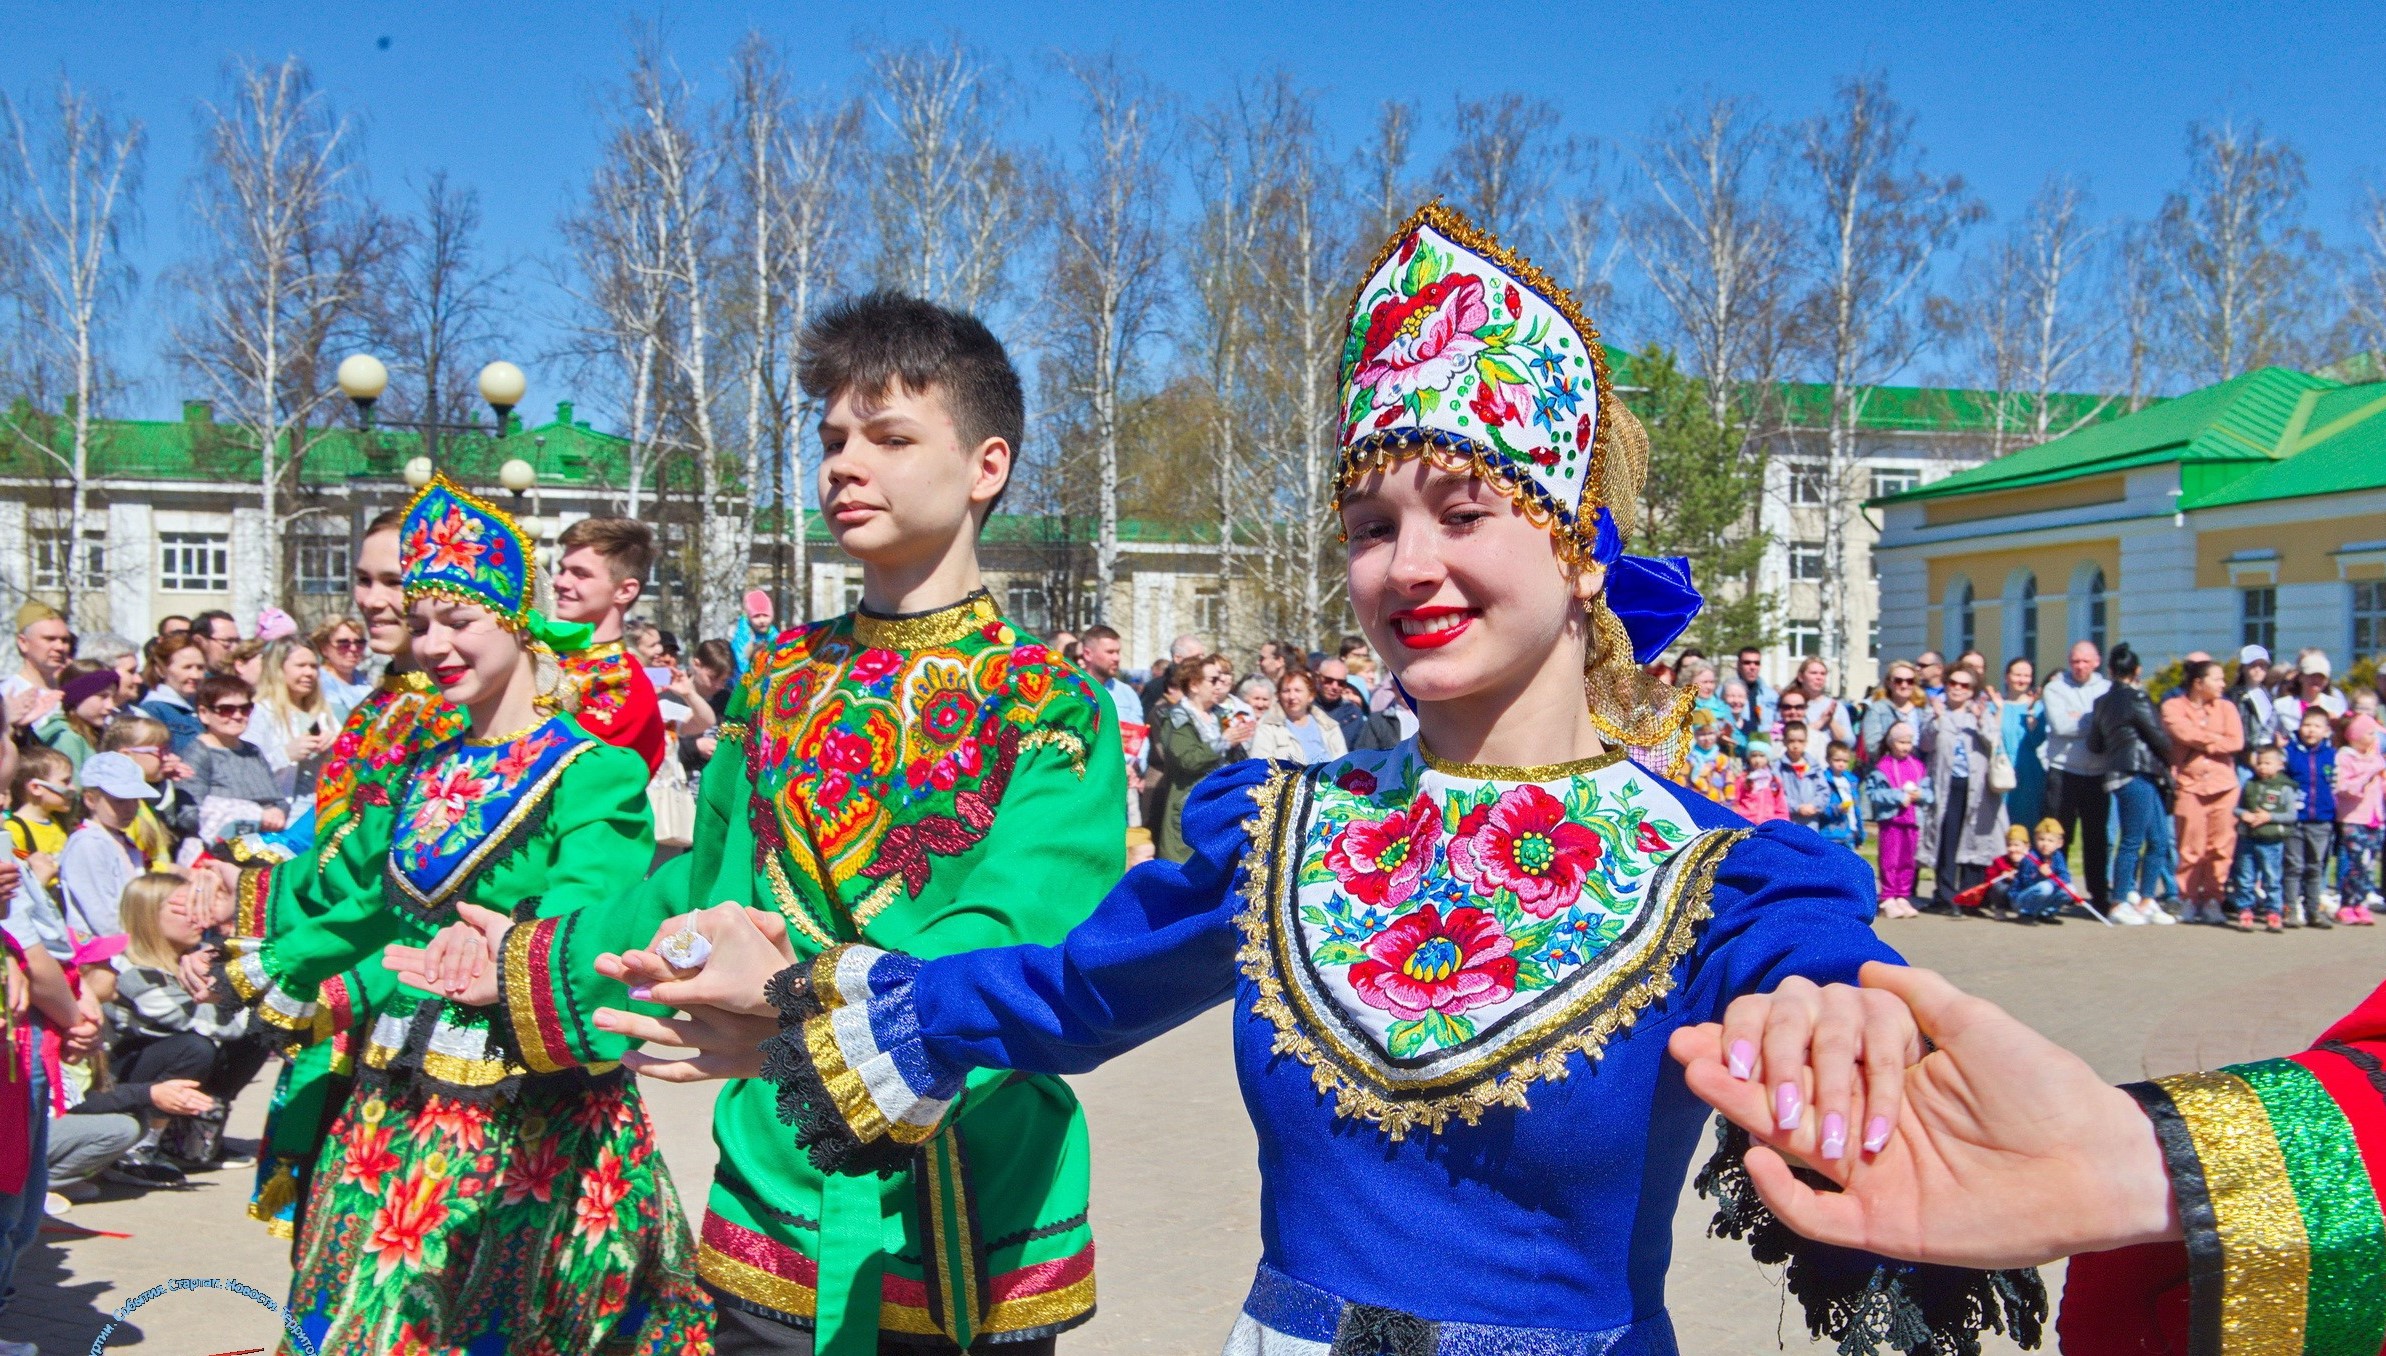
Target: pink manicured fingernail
1834,1135
1786,1107
642,994
1876,1134
1743,1059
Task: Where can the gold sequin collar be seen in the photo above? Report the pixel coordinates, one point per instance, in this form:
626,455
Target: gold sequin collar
1494,772
925,630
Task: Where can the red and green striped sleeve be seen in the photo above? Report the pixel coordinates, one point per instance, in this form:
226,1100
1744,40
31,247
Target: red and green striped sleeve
2276,1166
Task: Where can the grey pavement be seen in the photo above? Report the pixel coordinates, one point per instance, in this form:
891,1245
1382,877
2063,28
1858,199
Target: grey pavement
1175,1192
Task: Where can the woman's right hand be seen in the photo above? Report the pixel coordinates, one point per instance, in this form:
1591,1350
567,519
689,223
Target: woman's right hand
180,1097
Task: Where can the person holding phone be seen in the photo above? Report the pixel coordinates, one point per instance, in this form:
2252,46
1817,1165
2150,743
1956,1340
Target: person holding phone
294,723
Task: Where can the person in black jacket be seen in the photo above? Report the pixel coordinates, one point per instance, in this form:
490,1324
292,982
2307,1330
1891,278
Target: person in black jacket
2125,729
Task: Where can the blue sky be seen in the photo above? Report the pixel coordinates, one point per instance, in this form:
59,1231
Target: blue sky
504,96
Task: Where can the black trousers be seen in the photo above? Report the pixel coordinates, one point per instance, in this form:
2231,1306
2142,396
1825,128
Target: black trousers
2084,808
221,1068
1948,877
736,1332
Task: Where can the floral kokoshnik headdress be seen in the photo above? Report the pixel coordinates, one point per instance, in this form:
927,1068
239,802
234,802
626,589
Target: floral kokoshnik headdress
458,546
1460,351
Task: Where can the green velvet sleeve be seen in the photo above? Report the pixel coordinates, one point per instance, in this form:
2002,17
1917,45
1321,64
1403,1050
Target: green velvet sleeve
549,983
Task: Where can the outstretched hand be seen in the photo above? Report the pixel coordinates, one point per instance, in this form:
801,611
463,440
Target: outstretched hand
460,964
725,1016
2008,1150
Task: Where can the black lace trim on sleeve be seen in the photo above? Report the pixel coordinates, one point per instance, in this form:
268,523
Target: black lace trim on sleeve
804,1099
1863,1302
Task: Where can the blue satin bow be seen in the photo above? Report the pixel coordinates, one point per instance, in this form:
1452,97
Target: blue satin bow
1654,598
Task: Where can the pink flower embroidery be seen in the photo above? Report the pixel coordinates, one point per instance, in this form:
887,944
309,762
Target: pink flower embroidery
1426,963
871,665
1381,861
1423,342
444,795
1524,842
1356,780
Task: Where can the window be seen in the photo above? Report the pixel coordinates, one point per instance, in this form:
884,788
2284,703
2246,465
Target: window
322,564
2369,618
1209,610
194,562
2257,612
1967,619
1809,483
49,563
1023,599
1889,480
2088,617
2028,649
1804,638
1872,640
1806,561
849,592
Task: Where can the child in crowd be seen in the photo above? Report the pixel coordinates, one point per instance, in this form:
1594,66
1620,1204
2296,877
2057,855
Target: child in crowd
2360,818
2265,809
1994,895
1714,773
1894,792
2042,884
43,793
1760,799
2311,763
148,744
1842,819
1804,790
100,858
170,1033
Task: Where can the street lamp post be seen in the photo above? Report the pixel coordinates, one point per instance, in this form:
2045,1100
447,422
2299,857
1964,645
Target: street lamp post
363,378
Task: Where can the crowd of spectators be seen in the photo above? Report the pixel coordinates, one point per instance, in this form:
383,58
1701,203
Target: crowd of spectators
2248,798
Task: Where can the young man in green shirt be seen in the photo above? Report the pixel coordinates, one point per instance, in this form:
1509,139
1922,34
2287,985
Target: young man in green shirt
923,774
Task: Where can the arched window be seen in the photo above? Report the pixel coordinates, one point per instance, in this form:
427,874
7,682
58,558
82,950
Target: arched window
2087,605
1959,623
2028,648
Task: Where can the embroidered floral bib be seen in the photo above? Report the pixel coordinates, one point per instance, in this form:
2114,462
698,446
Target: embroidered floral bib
468,800
1436,937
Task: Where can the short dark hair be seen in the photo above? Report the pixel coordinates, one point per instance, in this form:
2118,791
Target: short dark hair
2194,670
1840,746
625,544
216,686
1350,645
1747,650
203,625
1789,725
866,346
1097,631
165,624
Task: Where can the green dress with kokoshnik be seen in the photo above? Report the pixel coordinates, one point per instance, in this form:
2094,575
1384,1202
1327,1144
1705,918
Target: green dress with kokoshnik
476,1191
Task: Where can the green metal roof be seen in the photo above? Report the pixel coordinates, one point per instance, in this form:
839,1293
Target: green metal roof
1909,409
2271,433
196,447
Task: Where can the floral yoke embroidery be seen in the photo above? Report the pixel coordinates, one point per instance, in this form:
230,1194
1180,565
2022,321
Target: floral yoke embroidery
869,763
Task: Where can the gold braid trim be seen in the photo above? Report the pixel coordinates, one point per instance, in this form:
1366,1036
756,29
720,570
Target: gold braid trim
1687,909
791,904
730,729
926,630
1064,740
331,845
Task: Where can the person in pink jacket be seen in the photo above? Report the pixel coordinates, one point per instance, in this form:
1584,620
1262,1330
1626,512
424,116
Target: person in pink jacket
2360,816
1760,798
2205,737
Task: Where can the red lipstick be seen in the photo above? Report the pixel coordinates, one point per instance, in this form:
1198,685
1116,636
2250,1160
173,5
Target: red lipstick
1430,628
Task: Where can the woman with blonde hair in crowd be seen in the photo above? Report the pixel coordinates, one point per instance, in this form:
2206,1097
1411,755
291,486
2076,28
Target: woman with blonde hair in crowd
340,644
294,724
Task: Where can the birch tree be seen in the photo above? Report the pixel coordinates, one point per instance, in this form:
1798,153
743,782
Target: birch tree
2134,300
793,168
2365,282
1713,237
1239,150
1877,219
2241,265
950,198
1108,252
288,239
1502,162
439,310
1382,165
69,197
621,241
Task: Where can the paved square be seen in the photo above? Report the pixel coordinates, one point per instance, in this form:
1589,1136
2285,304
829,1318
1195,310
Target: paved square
1175,1192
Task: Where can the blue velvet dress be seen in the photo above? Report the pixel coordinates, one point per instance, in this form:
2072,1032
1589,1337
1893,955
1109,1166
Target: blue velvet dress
1453,987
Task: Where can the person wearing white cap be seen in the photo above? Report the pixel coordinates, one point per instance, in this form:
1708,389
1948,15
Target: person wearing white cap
100,856
2311,690
2255,708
